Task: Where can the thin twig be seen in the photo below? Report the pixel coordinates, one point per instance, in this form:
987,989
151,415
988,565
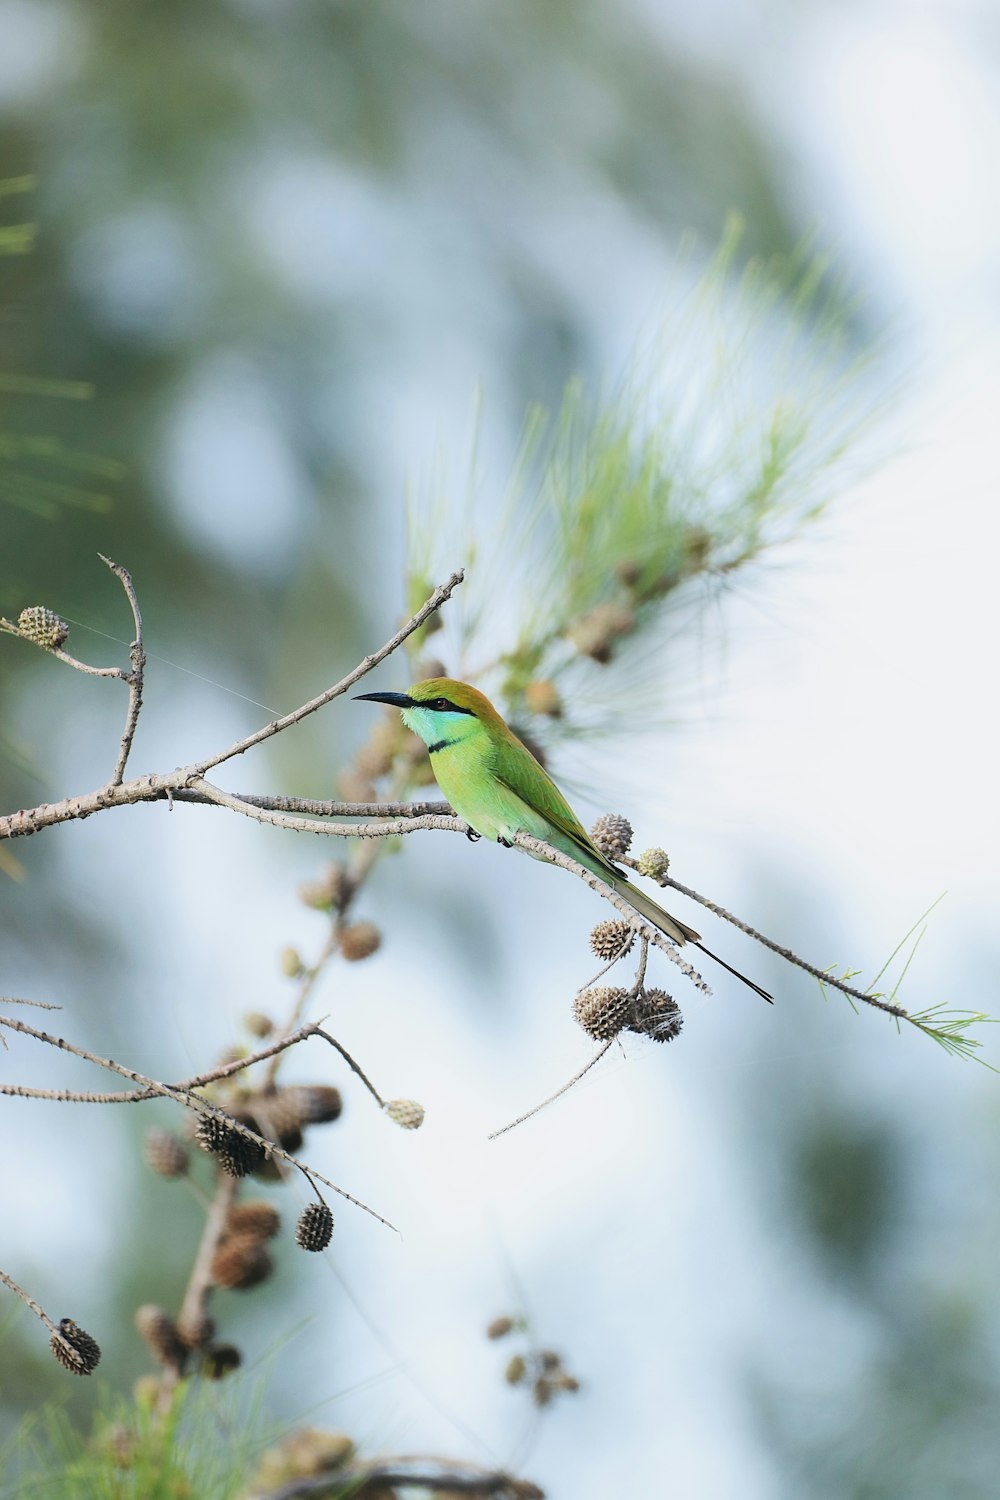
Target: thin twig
558,1093
29,1301
381,1475
349,1060
137,657
138,1096
823,975
8,628
434,603
154,787
195,1102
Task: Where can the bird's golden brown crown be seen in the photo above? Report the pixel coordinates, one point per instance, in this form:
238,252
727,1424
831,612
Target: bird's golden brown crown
444,693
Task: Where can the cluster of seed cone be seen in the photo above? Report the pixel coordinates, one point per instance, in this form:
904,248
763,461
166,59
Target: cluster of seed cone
176,1344
539,1369
606,1010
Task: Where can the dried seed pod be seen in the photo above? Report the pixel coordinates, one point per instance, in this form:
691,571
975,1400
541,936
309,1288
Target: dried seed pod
542,697
197,1331
234,1152
43,626
549,1360
301,1454
159,1332
359,940
241,1262
541,1391
74,1347
280,1116
319,1103
595,633
612,834
257,1218
567,1382
602,1012
314,1229
499,1328
165,1152
654,863
406,1112
516,1370
374,759
221,1360
258,1024
611,939
332,890
656,1014
290,963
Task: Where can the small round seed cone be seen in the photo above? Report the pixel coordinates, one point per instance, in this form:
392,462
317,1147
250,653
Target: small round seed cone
74,1348
314,1229
359,940
499,1328
320,1103
611,939
257,1218
542,697
406,1112
165,1152
43,626
235,1153
256,1021
279,1116
290,963
656,1014
602,1012
241,1262
159,1332
612,834
516,1370
196,1332
654,863
221,1360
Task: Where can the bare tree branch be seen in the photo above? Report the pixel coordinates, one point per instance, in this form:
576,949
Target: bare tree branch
195,1102
156,787
134,678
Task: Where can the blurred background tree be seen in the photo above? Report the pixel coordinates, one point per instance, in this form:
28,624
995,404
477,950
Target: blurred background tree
276,249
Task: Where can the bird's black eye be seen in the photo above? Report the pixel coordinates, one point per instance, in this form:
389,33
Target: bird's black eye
441,703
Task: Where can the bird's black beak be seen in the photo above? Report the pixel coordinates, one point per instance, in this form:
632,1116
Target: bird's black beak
397,700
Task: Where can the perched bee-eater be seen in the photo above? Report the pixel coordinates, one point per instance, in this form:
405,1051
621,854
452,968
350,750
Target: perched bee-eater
494,782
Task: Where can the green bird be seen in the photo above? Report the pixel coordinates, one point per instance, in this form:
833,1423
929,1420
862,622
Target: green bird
494,782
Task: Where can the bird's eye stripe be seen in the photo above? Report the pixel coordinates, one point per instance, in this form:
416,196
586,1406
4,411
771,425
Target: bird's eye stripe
445,705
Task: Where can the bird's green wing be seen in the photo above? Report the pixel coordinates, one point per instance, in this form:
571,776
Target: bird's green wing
514,765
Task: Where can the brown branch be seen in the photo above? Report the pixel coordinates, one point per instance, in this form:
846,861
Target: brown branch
321,808
388,828
156,787
29,1301
381,1475
199,1105
134,678
276,726
823,975
138,1096
536,1109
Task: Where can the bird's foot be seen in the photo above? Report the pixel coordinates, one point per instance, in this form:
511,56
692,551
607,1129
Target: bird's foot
506,842
472,835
